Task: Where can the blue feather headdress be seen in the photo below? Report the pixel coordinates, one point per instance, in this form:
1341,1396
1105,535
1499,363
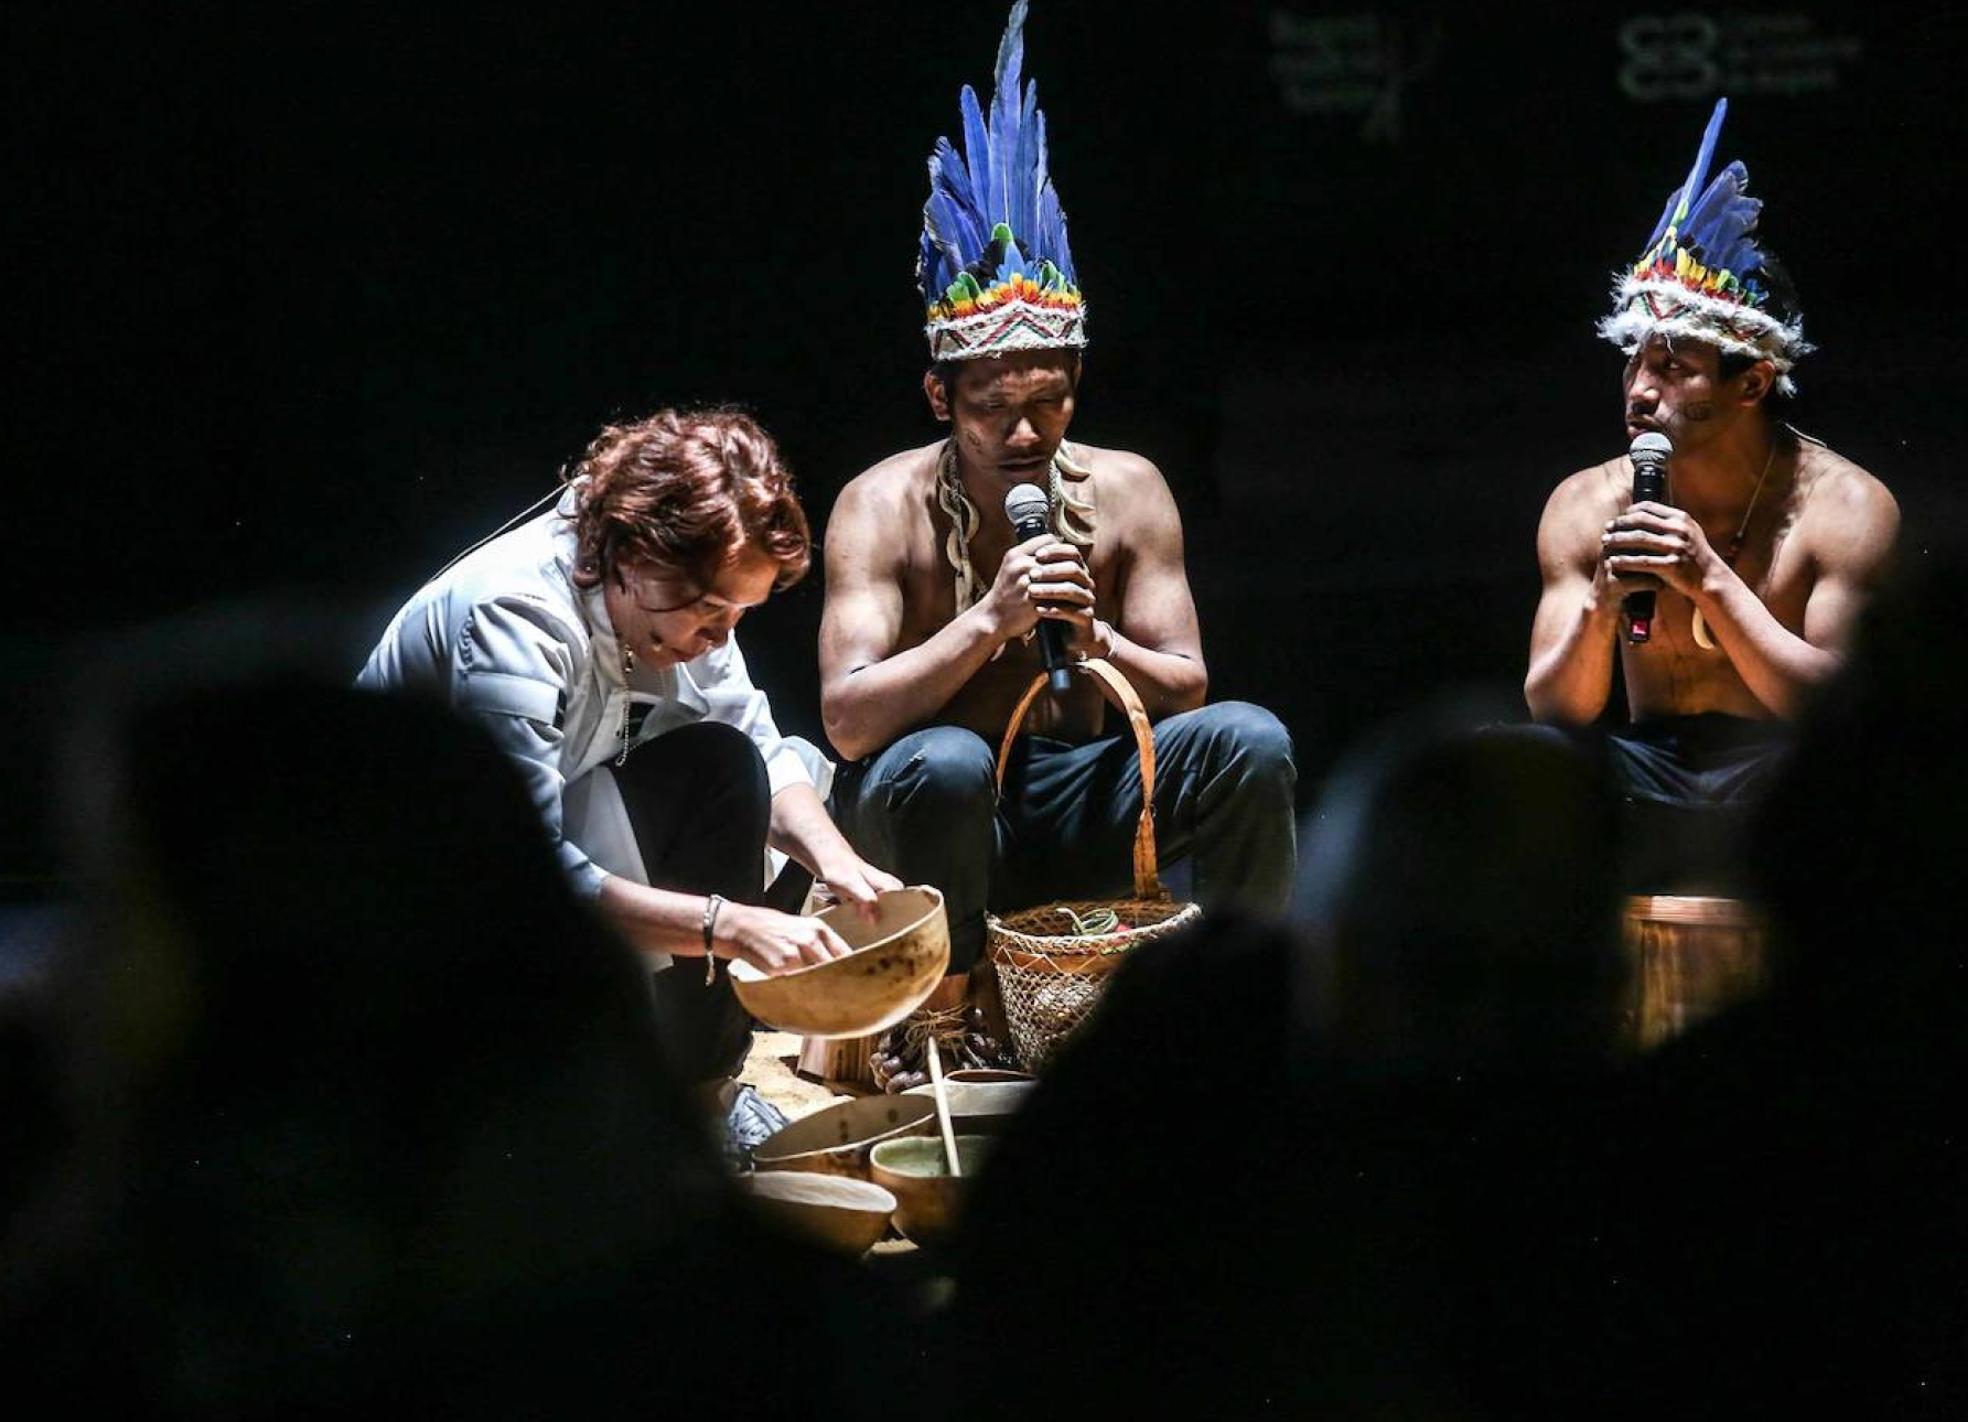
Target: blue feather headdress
995,269
1702,275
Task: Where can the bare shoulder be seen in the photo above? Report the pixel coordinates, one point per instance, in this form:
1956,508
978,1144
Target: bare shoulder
1579,508
1596,492
886,492
1120,469
1130,492
1845,515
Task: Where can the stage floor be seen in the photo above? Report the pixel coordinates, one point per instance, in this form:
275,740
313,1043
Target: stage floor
769,1071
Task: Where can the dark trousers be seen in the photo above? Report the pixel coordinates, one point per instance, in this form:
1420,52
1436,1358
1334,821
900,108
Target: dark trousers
1687,788
700,806
926,809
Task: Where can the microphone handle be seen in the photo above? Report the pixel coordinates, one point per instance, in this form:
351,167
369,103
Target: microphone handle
1052,652
1638,610
1052,637
1649,486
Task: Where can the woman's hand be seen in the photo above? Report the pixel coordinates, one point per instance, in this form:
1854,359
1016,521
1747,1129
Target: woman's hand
774,942
855,881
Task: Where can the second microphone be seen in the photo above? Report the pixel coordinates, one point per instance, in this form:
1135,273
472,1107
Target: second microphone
1027,508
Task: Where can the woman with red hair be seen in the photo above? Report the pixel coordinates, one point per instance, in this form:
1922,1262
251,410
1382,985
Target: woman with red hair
595,643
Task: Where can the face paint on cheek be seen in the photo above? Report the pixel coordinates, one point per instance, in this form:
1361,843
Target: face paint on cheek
1700,411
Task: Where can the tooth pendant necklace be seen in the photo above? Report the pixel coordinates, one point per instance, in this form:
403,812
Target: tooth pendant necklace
1735,548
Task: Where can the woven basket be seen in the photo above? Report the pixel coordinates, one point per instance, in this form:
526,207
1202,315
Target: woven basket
1050,974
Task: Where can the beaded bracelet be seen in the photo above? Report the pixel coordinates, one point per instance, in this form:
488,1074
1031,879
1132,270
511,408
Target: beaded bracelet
711,907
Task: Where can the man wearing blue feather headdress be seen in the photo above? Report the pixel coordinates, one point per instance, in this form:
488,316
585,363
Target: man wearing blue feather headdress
932,599
1759,557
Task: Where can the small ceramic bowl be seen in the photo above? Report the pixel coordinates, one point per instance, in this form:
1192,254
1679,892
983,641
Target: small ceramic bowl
981,1101
915,1170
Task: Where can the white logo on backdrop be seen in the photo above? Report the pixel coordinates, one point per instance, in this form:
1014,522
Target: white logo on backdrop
1356,64
1698,54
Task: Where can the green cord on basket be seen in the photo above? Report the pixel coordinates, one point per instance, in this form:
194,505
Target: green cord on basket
1095,923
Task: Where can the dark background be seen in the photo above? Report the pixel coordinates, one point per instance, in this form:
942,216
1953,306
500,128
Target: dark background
305,298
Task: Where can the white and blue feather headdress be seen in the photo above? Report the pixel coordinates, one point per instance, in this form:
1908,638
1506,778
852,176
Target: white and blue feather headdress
1702,275
995,269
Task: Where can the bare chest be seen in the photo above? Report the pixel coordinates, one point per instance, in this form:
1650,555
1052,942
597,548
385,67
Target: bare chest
984,703
1685,669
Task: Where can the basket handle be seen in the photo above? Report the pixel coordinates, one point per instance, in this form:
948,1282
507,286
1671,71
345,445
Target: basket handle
1119,690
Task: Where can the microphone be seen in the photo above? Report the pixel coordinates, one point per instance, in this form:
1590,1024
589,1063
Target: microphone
1649,453
1026,506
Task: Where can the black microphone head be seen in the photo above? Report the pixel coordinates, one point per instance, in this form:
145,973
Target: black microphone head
1650,447
1027,503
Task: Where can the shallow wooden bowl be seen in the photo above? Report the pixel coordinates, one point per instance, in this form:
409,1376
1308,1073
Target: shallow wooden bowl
897,962
981,1101
831,1210
836,1140
927,1197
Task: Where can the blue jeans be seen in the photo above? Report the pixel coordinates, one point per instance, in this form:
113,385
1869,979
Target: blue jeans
926,810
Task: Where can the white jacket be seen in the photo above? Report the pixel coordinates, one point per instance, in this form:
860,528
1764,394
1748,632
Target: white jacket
506,637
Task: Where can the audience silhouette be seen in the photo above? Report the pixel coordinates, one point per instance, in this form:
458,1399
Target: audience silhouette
374,1111
1388,1162
1295,1168
332,1096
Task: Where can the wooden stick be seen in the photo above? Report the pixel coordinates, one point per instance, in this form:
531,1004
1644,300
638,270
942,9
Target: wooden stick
942,1105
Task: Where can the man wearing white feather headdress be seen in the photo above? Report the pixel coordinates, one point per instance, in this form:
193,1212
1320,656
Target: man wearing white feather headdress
927,641
1760,556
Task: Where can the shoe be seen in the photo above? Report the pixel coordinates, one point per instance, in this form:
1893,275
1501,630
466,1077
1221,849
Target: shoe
749,1122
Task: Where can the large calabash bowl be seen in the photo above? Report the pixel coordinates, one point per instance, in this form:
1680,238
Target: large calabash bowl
897,962
831,1210
836,1140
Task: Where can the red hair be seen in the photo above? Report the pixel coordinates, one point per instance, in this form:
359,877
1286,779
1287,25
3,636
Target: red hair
686,490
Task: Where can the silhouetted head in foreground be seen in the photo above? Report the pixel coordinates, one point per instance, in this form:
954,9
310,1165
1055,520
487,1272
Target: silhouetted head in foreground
1863,842
371,1082
1459,894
